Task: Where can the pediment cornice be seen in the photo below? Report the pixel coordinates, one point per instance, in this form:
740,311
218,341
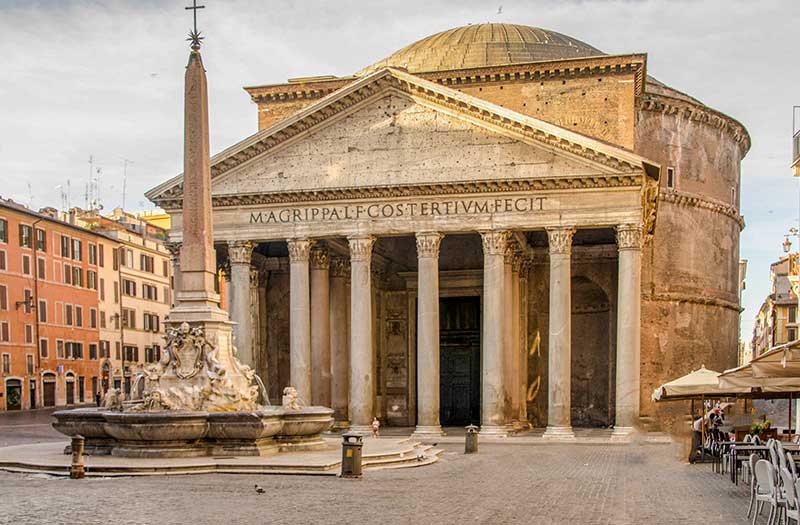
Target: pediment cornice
610,158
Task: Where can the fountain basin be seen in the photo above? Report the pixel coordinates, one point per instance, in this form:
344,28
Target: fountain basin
86,422
244,433
302,428
167,434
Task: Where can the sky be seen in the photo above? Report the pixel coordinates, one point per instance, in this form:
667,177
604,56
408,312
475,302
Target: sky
103,79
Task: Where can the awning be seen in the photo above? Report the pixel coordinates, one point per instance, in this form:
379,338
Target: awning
694,385
775,371
781,361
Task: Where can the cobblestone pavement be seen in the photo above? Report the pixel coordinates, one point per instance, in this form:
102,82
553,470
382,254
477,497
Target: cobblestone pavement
502,484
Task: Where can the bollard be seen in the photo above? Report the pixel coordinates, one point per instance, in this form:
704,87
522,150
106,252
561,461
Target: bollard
77,470
351,455
471,441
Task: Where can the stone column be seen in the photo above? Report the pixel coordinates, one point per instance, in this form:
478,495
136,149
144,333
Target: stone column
299,318
239,254
254,309
226,277
362,362
523,342
174,249
320,328
428,334
340,350
515,346
629,243
508,338
493,393
559,425
262,359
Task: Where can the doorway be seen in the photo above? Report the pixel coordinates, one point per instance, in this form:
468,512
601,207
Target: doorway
49,390
460,360
32,392
70,389
13,394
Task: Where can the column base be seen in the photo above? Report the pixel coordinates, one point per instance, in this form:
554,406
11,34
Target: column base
553,433
427,431
493,431
623,434
340,425
364,430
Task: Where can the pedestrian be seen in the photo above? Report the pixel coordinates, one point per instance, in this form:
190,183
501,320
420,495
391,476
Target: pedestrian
376,426
97,398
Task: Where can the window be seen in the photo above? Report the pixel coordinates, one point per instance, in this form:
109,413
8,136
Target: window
41,240
117,352
115,318
78,315
77,276
25,236
733,196
129,287
115,259
29,334
131,353
102,289
6,364
94,385
102,319
116,292
671,177
28,295
92,351
91,279
68,314
29,364
59,312
151,322
104,349
81,389
164,268
26,264
3,230
3,260
128,258
92,253
65,243
3,297
42,311
67,274
43,350
152,355
40,268
92,318
147,263
149,292
166,294
5,335
101,259
60,349
792,314
128,318
791,334
77,250
74,350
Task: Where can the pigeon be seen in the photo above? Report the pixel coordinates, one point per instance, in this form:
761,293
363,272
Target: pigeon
259,490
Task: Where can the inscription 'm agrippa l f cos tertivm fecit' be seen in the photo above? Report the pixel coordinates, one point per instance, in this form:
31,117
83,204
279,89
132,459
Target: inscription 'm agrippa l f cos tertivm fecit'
389,210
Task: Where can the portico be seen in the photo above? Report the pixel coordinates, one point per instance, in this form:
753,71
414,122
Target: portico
416,193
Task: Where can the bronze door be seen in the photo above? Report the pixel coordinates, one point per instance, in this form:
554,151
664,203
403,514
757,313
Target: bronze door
460,360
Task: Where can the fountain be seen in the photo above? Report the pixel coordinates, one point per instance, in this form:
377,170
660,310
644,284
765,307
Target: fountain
199,399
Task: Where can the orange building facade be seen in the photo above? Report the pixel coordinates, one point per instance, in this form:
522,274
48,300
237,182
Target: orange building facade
49,313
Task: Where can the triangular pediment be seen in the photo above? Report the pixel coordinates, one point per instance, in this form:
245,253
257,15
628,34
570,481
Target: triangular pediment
393,129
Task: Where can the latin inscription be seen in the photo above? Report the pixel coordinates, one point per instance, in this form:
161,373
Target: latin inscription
349,212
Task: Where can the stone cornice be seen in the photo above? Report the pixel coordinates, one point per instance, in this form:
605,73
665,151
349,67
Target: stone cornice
482,112
680,198
420,190
681,297
532,71
698,113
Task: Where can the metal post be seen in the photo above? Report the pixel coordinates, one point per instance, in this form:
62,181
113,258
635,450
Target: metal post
77,470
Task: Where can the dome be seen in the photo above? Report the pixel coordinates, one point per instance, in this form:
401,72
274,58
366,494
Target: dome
482,45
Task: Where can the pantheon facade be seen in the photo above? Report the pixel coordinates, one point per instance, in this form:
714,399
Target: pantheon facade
497,225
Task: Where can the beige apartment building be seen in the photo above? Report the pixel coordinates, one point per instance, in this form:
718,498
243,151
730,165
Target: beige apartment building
776,321
134,294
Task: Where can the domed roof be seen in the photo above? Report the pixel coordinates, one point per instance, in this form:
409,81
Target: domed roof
482,45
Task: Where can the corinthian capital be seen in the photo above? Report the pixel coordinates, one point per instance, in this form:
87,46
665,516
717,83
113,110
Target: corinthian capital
319,258
560,240
174,248
340,267
361,248
428,244
299,249
495,242
629,237
239,252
